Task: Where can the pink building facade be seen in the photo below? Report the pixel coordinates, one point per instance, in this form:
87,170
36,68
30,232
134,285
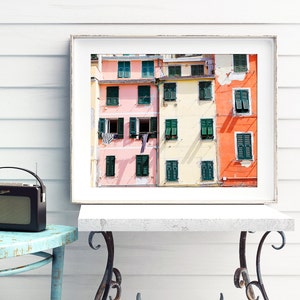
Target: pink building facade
127,124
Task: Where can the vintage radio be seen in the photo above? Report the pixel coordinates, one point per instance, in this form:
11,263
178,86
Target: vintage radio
23,206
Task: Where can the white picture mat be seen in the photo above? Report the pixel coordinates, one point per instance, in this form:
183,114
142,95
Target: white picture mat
81,49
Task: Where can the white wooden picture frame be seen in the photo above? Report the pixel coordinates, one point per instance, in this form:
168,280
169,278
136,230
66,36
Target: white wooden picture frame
83,119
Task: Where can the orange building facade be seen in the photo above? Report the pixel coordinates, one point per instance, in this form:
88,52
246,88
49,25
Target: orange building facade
236,119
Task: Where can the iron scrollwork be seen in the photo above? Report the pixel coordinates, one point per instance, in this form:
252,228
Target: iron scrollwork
241,276
107,281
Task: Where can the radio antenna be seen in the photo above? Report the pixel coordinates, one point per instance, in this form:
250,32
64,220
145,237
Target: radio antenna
36,168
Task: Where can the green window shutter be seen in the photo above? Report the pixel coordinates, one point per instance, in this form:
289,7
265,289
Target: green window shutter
245,100
147,69
240,62
174,71
120,128
124,69
101,127
197,70
132,127
172,170
207,170
242,104
238,101
112,95
144,94
153,127
171,129
110,166
207,129
244,146
170,91
142,165
205,90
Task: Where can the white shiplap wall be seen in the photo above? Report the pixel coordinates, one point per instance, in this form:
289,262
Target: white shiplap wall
35,129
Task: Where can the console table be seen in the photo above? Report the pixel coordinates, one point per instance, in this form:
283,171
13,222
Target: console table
105,219
54,237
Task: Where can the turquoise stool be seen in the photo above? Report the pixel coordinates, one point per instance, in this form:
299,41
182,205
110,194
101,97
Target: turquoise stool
55,237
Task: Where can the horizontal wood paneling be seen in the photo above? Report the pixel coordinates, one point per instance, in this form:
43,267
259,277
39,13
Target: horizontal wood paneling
53,39
150,287
23,71
162,12
34,133
288,107
34,103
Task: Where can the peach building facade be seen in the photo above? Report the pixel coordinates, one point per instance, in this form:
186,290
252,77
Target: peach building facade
236,104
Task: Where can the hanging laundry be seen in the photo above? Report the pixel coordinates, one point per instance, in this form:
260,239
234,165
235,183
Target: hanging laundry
144,141
107,138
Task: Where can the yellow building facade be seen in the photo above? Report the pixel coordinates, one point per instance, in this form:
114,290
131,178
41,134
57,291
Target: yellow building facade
186,148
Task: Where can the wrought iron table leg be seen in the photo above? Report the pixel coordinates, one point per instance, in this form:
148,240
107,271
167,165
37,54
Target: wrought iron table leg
241,276
107,282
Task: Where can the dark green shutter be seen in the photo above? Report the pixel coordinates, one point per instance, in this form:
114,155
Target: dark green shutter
120,128
147,69
142,165
170,91
153,127
123,69
110,166
245,100
132,127
112,95
241,101
207,170
244,146
172,170
171,129
240,62
197,70
144,94
174,71
207,128
205,90
101,127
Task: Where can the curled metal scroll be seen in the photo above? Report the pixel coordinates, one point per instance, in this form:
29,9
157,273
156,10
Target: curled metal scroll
241,276
107,282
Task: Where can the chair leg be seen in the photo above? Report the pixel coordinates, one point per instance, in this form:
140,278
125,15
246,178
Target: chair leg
57,272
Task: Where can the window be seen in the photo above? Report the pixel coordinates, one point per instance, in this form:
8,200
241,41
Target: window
137,127
142,165
124,69
172,170
207,170
110,166
207,129
113,126
205,90
171,129
240,63
244,146
174,71
112,95
241,99
147,69
197,70
170,91
144,94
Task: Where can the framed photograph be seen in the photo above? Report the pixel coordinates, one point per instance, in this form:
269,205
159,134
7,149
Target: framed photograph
173,119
